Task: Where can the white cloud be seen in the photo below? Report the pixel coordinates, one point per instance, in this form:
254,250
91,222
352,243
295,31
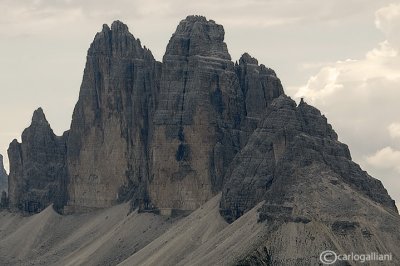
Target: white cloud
360,98
386,158
322,85
361,95
394,130
388,21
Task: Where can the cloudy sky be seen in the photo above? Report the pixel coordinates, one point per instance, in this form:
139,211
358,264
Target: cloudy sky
343,56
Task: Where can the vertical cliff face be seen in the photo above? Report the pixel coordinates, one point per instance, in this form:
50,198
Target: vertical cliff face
3,185
3,176
37,167
259,84
200,123
111,125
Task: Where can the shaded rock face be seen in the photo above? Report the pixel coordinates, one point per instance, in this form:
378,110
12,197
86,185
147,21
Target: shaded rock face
109,138
200,122
37,168
259,85
278,158
3,176
3,185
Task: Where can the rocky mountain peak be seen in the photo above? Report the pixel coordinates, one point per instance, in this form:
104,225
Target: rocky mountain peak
197,18
169,137
196,35
120,27
116,41
247,59
106,28
39,117
37,167
112,120
39,126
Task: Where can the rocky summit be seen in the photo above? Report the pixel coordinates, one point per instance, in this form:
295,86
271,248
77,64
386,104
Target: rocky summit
193,142
37,168
207,108
108,146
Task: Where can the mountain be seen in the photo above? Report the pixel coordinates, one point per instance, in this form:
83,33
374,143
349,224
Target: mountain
108,143
239,172
208,107
3,184
3,176
37,167
313,195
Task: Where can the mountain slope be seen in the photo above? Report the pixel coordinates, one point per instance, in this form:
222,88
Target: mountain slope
103,237
315,197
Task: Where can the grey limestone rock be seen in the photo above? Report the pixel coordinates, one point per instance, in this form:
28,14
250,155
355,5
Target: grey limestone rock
200,122
160,134
259,84
315,197
288,140
37,168
3,185
170,135
111,125
3,176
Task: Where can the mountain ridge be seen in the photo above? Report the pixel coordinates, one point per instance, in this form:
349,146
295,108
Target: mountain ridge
200,131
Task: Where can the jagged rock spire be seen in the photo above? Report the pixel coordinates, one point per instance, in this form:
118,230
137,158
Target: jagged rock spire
196,35
37,167
39,118
116,41
3,176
